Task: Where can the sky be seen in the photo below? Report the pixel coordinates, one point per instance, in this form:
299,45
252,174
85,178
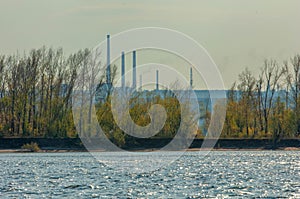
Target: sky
236,33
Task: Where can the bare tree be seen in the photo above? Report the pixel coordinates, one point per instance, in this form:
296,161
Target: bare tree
268,82
293,83
247,87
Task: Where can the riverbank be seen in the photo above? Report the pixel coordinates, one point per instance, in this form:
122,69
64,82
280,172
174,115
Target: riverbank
14,145
148,150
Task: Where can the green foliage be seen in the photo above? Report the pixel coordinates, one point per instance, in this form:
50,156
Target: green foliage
258,112
34,102
31,87
33,147
139,113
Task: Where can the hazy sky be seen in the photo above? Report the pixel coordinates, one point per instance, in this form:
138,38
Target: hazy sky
236,33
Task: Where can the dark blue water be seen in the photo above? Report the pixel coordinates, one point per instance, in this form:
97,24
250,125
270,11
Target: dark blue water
239,174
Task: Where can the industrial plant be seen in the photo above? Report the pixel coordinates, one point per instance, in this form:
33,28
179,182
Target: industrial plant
203,96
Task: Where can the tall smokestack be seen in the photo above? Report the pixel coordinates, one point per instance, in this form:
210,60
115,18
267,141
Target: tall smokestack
191,77
134,70
123,69
157,85
108,72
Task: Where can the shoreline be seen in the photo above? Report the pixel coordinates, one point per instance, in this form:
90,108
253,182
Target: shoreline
61,145
146,150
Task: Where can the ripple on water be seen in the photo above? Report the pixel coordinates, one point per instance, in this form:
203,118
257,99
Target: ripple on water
220,174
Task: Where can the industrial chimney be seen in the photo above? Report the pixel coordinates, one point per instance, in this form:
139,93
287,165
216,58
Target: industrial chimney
108,72
157,86
123,70
134,70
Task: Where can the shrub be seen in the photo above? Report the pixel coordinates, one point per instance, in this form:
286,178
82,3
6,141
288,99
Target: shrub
33,147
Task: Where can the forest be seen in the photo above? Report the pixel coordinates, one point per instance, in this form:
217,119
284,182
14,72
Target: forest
36,91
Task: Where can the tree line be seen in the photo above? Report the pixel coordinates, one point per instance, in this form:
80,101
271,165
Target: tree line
36,99
267,104
35,93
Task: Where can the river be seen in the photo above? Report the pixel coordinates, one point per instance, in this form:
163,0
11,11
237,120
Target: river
221,174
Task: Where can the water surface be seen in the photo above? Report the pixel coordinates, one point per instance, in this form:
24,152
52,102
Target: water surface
222,174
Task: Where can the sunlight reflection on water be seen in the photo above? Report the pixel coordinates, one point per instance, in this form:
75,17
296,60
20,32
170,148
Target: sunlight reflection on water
220,174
